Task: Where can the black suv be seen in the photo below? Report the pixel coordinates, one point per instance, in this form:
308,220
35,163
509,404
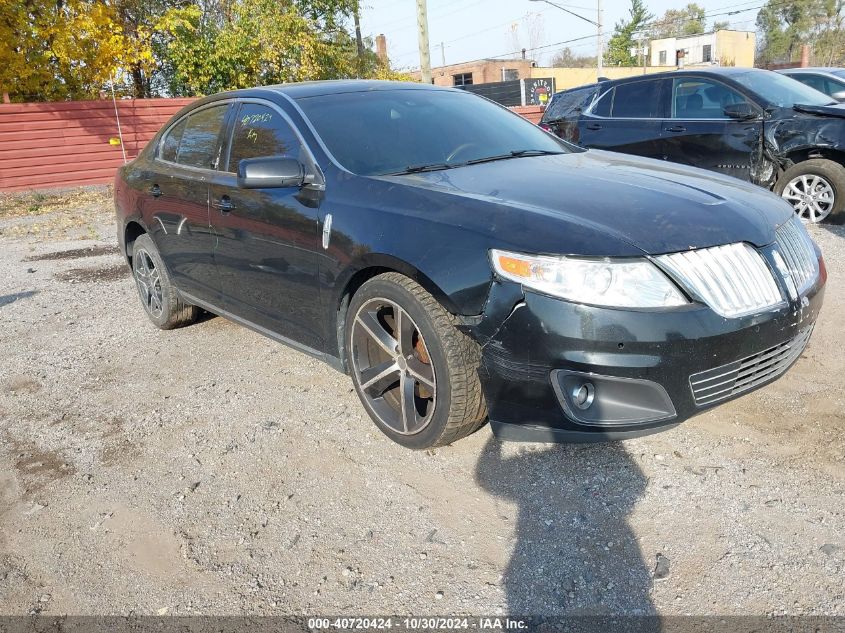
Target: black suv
752,124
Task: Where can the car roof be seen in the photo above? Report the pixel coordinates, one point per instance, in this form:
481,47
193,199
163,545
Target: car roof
813,69
699,72
305,89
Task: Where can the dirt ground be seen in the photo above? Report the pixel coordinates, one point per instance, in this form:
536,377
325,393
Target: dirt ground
209,470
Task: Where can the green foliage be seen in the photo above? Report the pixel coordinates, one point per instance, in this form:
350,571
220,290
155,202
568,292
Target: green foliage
690,20
785,26
59,49
566,58
619,47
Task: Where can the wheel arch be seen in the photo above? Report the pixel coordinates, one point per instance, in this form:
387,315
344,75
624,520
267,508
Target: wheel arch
131,232
367,267
833,154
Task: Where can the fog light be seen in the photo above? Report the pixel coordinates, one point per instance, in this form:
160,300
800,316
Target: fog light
583,395
598,400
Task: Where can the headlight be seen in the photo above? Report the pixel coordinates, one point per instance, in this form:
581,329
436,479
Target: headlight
629,283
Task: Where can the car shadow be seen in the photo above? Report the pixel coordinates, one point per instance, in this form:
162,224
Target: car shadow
575,553
7,299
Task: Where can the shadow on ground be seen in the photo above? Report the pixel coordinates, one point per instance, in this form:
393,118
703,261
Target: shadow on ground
575,553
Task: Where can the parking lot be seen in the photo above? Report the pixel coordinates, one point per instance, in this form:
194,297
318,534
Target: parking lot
209,470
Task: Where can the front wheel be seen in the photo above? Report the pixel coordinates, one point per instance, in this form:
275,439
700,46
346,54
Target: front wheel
816,190
414,371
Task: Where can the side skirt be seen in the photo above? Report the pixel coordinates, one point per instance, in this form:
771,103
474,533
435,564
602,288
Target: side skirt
331,361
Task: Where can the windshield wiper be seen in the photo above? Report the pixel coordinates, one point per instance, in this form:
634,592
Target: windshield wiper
416,169
517,153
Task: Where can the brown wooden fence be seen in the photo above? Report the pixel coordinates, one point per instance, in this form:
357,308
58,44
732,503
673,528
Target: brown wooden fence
45,145
62,144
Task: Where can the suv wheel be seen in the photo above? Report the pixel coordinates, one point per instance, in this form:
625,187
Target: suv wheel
159,297
816,190
415,372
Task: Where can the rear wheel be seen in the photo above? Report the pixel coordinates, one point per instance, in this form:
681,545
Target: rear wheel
816,190
158,295
415,372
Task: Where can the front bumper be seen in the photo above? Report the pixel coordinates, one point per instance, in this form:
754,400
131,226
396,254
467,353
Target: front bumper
535,348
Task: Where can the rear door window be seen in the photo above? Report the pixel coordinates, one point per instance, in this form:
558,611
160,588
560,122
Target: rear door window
200,145
260,131
637,100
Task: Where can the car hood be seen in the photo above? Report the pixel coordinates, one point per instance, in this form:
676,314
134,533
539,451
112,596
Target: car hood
837,110
555,203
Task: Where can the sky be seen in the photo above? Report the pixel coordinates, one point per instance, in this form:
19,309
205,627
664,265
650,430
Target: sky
475,29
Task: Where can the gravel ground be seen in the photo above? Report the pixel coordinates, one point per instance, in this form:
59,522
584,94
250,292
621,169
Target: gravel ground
209,470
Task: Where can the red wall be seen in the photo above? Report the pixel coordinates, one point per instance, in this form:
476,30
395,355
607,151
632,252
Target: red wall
63,144
45,145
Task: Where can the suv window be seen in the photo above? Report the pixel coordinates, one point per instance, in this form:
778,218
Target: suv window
637,100
602,108
170,146
702,99
261,131
200,141
569,103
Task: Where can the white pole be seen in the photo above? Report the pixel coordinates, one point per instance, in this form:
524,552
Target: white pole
425,53
600,45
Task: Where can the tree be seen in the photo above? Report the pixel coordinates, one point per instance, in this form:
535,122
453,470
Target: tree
679,22
784,27
58,49
568,59
619,47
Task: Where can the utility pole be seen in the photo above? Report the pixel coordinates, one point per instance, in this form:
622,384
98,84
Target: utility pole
600,43
358,40
443,54
425,52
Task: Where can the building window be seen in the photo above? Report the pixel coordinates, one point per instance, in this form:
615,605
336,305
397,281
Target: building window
464,79
706,55
510,74
662,60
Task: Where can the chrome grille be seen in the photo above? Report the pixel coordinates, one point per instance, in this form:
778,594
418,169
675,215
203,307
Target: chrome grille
743,375
733,279
798,253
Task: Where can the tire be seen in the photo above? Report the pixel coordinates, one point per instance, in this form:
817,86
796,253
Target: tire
821,177
158,295
437,368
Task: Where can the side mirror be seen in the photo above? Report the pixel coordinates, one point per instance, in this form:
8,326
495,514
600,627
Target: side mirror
839,96
740,111
274,171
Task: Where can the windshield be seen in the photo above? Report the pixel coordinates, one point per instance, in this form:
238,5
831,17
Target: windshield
780,90
383,132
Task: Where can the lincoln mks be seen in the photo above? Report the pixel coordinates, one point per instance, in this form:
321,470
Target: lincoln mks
463,265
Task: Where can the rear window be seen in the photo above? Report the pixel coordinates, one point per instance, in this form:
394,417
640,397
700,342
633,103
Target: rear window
170,146
569,103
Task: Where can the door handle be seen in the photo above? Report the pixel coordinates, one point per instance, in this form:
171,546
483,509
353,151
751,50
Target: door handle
676,128
224,205
594,126
155,190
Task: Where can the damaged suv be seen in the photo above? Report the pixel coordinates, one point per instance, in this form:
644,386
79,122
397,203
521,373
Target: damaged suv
752,124
460,263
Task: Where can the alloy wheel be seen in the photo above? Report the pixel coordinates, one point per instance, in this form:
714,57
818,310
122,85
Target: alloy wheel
148,280
392,367
811,196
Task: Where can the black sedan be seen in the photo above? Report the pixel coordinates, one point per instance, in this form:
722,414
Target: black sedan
462,264
752,124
